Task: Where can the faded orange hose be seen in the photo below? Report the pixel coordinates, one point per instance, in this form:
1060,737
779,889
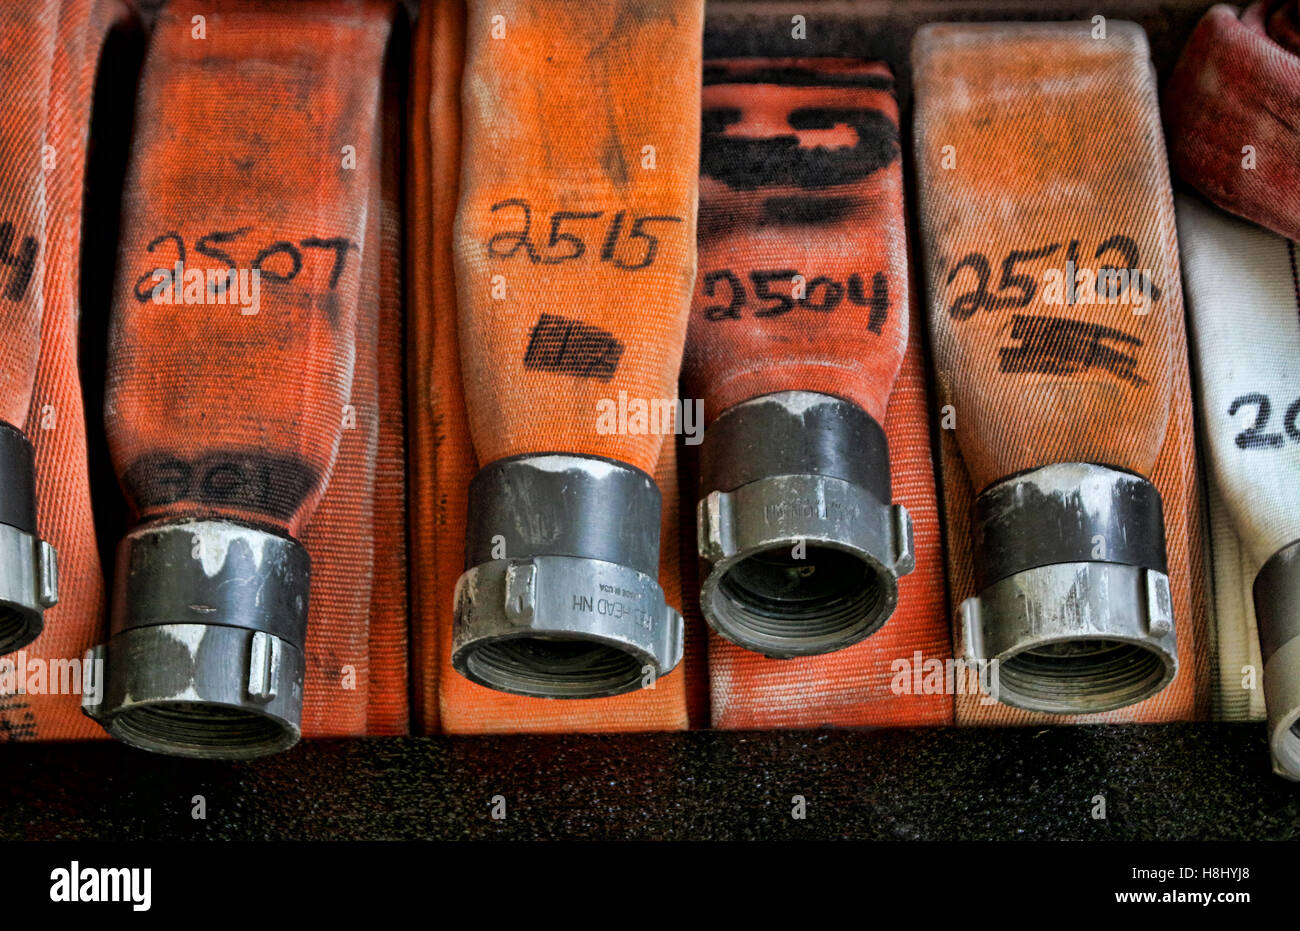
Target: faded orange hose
258,443
1043,180
803,287
49,68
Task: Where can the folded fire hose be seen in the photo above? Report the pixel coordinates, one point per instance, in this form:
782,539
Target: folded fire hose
575,259
254,403
443,461
1245,316
1226,108
1055,311
798,331
49,55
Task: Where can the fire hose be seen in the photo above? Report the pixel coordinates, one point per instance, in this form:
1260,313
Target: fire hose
49,59
1231,138
574,256
253,406
798,331
1055,314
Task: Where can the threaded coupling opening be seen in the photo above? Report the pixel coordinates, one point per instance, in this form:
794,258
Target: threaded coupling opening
1080,674
1074,605
802,550
206,652
17,628
204,730
774,603
551,667
560,597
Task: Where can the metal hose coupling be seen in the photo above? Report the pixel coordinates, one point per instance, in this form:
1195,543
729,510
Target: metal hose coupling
801,546
561,597
29,571
1277,610
205,656
1074,608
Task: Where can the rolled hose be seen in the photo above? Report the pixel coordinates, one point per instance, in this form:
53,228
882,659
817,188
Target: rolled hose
574,253
229,421
1060,389
1230,105
797,332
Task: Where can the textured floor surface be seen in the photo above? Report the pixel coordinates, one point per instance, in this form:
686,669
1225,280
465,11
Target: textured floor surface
1162,782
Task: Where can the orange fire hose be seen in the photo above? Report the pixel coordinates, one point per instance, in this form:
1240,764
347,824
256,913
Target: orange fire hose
443,460
803,295
49,55
574,254
254,403
1056,315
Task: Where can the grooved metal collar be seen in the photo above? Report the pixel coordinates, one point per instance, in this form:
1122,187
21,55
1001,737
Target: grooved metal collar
563,627
206,657
29,571
561,597
802,549
1277,611
1075,611
29,583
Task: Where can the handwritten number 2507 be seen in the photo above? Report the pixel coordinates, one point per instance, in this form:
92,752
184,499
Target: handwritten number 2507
211,245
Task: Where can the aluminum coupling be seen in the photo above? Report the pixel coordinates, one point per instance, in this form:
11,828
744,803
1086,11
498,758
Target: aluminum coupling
802,549
29,569
1074,611
206,651
560,597
1277,611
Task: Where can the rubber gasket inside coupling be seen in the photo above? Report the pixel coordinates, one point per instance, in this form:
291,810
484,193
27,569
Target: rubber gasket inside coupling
1277,611
1074,612
561,596
206,653
802,550
29,571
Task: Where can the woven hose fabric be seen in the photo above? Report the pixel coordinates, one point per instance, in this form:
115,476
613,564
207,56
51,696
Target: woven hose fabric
1039,149
803,285
1231,106
50,53
519,130
1244,312
267,141
442,461
578,195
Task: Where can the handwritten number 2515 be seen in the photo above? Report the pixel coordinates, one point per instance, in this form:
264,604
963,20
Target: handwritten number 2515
566,244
